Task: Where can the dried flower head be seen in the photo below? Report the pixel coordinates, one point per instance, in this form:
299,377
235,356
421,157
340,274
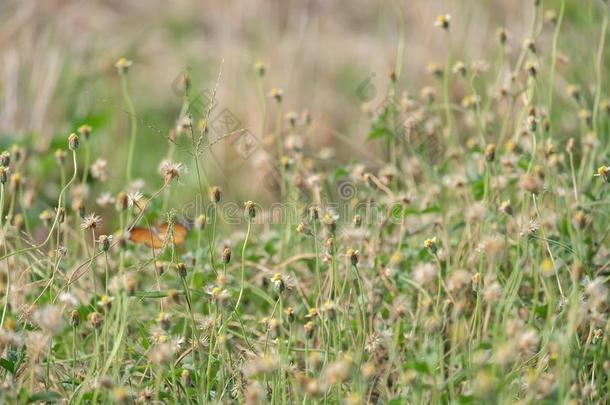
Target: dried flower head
170,170
91,221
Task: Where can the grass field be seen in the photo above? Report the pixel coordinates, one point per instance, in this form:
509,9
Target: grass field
311,202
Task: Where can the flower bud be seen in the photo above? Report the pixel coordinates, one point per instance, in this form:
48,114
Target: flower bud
250,209
73,141
3,174
226,255
5,159
182,269
200,221
215,194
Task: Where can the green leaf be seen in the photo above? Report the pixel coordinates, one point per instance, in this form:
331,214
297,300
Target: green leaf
8,365
44,396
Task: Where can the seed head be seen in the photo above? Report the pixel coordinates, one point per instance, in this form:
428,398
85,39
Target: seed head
226,255
353,256
250,209
309,328
170,170
91,221
104,241
200,222
85,131
60,156
5,159
74,318
490,152
95,319
182,269
73,141
3,174
215,194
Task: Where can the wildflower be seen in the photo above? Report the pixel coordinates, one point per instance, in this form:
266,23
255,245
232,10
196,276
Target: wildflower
490,152
122,201
290,314
60,156
218,294
604,172
443,21
91,221
46,216
312,313
170,170
353,256
105,301
531,68
314,213
276,94
105,240
502,35
585,116
431,244
182,269
278,282
459,68
435,69
123,65
185,375
226,255
5,159
215,194
250,209
309,328
471,100
200,222
330,219
95,319
74,318
73,142
99,169
133,198
3,174
260,68
302,228
506,207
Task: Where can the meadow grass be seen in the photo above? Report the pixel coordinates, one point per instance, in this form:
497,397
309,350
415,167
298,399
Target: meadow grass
467,261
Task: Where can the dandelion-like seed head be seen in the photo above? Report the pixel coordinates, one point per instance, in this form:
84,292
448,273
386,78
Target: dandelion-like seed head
91,221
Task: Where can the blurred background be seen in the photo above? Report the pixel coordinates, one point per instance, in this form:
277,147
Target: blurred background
57,70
